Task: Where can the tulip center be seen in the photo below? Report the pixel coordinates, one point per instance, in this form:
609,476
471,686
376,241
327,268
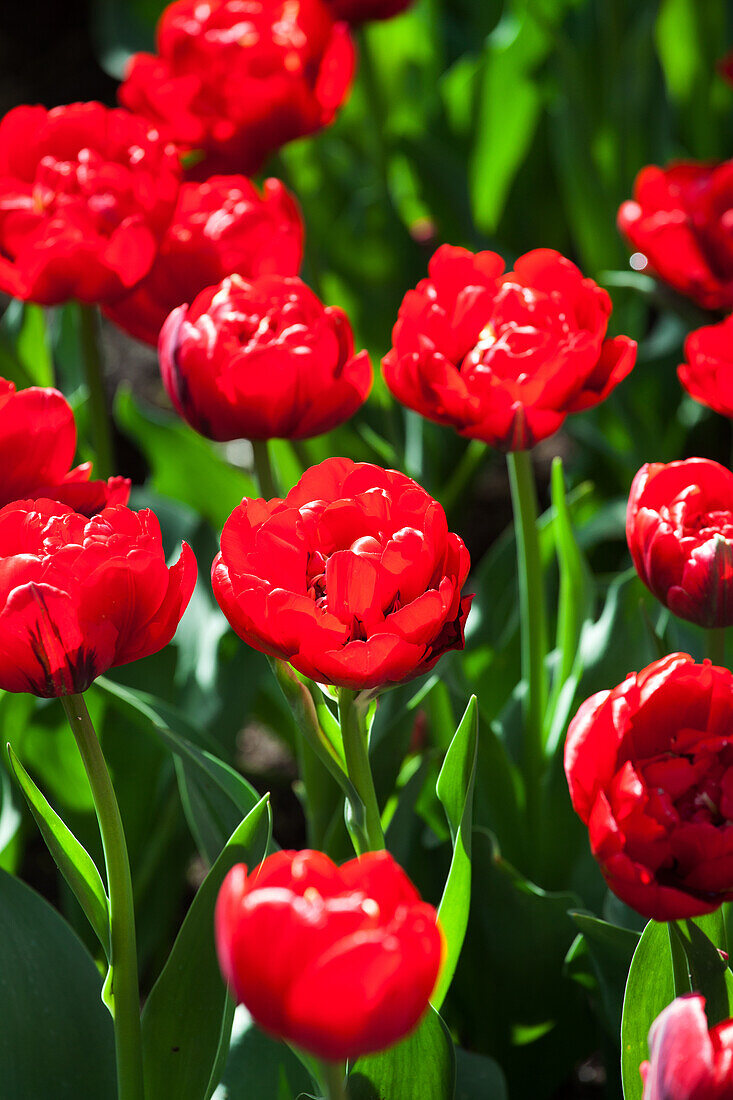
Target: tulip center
526,328
696,788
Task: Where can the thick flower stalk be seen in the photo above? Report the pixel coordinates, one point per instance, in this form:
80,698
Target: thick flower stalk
79,596
353,578
237,82
679,220
707,373
37,447
355,952
225,226
504,357
686,1058
650,770
262,360
679,527
86,194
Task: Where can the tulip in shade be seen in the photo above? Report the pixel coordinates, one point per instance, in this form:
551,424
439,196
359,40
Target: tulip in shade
679,527
237,81
37,447
79,596
222,227
680,220
86,194
650,770
340,961
688,1060
262,360
707,374
364,11
354,577
504,357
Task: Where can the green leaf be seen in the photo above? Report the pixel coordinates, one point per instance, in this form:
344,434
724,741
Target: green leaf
478,1077
215,796
576,588
74,862
258,1065
24,344
455,791
702,940
184,465
185,1015
649,989
426,1059
610,949
56,1038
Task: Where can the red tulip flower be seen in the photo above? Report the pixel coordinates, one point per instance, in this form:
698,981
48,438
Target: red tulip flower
37,447
364,11
650,770
707,373
352,954
221,227
261,360
237,81
79,596
86,194
504,357
688,1060
679,527
680,219
354,577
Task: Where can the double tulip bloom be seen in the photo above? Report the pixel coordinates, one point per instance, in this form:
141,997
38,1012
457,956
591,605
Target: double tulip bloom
679,527
354,577
37,447
504,357
707,373
262,360
222,227
79,596
355,952
679,218
235,82
86,194
686,1058
650,770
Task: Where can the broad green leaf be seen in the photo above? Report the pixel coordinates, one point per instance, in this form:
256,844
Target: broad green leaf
702,940
214,795
649,989
455,791
56,1037
184,1016
258,1065
184,465
610,949
74,862
478,1077
426,1059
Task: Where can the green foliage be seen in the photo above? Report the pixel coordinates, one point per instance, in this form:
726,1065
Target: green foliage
56,1038
426,1059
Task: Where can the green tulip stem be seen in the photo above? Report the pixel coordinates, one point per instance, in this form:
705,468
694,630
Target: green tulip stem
123,954
533,625
716,646
263,469
333,1077
90,338
366,824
